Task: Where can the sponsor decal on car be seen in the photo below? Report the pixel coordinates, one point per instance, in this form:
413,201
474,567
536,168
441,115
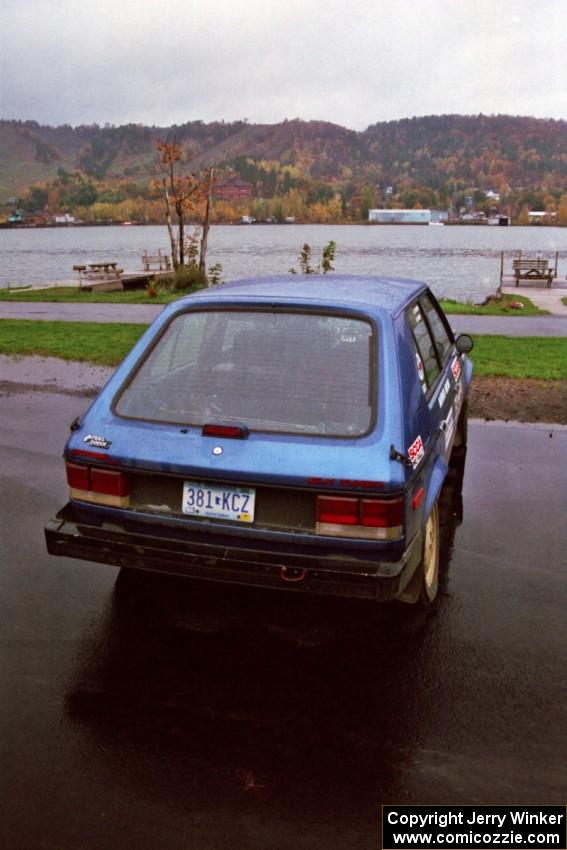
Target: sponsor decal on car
444,391
459,397
449,429
456,368
416,452
97,442
420,367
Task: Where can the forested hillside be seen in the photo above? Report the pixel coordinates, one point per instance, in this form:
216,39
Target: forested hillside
429,161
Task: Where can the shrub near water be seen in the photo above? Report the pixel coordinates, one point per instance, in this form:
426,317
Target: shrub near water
189,277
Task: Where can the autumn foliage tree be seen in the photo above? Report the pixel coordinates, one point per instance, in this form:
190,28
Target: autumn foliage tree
183,194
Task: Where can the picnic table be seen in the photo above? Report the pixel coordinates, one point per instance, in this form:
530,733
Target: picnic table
104,273
530,269
536,268
106,268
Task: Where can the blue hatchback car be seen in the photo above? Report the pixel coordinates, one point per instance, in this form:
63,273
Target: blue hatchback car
283,432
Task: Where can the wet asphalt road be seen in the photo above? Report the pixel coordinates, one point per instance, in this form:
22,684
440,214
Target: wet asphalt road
146,313
163,717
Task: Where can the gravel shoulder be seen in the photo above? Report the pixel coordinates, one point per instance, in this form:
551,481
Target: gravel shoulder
519,400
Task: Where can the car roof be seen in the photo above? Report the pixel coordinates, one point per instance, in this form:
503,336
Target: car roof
388,294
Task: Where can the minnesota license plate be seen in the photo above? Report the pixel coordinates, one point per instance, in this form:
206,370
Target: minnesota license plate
235,503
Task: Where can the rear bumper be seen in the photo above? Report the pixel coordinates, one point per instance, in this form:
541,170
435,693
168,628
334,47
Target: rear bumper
233,561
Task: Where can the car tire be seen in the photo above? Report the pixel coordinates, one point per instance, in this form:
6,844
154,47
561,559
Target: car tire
459,453
429,568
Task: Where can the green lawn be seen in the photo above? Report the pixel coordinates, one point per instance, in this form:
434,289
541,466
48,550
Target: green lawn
70,294
107,344
102,343
521,356
140,296
495,308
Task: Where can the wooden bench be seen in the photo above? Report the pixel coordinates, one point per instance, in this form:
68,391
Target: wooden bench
156,262
533,269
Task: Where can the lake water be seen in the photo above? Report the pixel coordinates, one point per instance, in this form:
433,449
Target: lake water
461,262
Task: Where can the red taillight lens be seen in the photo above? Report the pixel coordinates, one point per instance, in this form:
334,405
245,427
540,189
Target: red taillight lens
109,481
78,476
94,481
378,513
338,510
345,516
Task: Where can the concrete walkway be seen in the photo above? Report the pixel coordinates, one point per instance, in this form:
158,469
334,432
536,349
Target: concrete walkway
545,299
75,312
516,325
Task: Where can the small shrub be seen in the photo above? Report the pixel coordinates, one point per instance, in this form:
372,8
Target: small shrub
326,264
214,275
328,257
187,277
305,260
152,288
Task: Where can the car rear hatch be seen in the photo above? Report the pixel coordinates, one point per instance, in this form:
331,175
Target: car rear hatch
250,418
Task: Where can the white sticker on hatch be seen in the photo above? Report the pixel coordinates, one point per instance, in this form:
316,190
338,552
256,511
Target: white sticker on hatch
416,452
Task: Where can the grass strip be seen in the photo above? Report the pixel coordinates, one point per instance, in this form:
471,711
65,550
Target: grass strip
108,343
71,295
495,307
520,356
103,343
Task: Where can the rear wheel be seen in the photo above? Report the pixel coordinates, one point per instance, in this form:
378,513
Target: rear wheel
459,453
430,563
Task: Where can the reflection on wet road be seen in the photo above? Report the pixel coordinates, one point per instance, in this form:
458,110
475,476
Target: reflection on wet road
154,714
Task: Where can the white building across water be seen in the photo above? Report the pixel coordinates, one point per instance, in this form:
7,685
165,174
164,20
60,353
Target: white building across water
407,216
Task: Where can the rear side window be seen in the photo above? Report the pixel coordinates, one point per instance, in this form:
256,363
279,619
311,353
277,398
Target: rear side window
283,371
440,336
424,343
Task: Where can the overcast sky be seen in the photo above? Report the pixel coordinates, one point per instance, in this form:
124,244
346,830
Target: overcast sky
353,62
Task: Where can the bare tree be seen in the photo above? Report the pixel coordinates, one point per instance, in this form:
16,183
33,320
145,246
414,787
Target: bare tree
206,222
180,192
184,195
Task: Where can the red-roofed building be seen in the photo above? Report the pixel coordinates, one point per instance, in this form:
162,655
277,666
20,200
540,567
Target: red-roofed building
234,189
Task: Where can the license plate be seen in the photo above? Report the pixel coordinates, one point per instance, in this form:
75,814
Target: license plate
235,503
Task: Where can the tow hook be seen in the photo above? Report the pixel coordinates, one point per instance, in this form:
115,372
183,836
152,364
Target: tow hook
292,573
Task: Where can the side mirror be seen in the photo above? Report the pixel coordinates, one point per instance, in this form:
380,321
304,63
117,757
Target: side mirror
464,343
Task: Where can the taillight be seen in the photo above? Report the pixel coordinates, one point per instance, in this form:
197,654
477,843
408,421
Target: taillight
382,513
102,486
78,476
336,509
109,481
375,519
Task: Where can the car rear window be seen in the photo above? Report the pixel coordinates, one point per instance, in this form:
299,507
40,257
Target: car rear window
271,371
